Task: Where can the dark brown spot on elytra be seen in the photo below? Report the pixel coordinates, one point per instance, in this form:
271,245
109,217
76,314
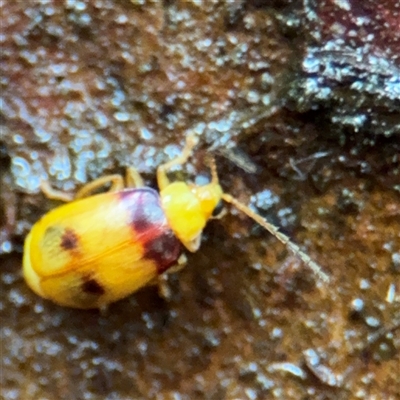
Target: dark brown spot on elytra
69,240
150,226
91,286
164,250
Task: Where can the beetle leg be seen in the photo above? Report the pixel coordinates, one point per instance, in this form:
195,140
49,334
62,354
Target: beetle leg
162,178
164,290
116,181
162,280
133,178
180,264
55,194
103,309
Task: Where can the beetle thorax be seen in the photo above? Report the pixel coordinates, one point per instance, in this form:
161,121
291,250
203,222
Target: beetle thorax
188,209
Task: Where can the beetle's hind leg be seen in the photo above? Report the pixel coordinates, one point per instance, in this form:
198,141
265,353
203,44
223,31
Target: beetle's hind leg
116,181
55,194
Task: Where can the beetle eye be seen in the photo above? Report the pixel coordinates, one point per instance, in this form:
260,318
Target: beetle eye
219,208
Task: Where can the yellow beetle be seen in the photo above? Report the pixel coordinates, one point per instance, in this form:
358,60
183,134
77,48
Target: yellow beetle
100,248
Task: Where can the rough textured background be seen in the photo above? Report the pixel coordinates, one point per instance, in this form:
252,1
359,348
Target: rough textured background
304,131
351,65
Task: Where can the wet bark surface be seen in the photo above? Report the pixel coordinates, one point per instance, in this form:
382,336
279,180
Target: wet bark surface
299,102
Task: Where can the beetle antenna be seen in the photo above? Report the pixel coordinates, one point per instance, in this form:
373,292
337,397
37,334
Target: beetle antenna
279,235
213,167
